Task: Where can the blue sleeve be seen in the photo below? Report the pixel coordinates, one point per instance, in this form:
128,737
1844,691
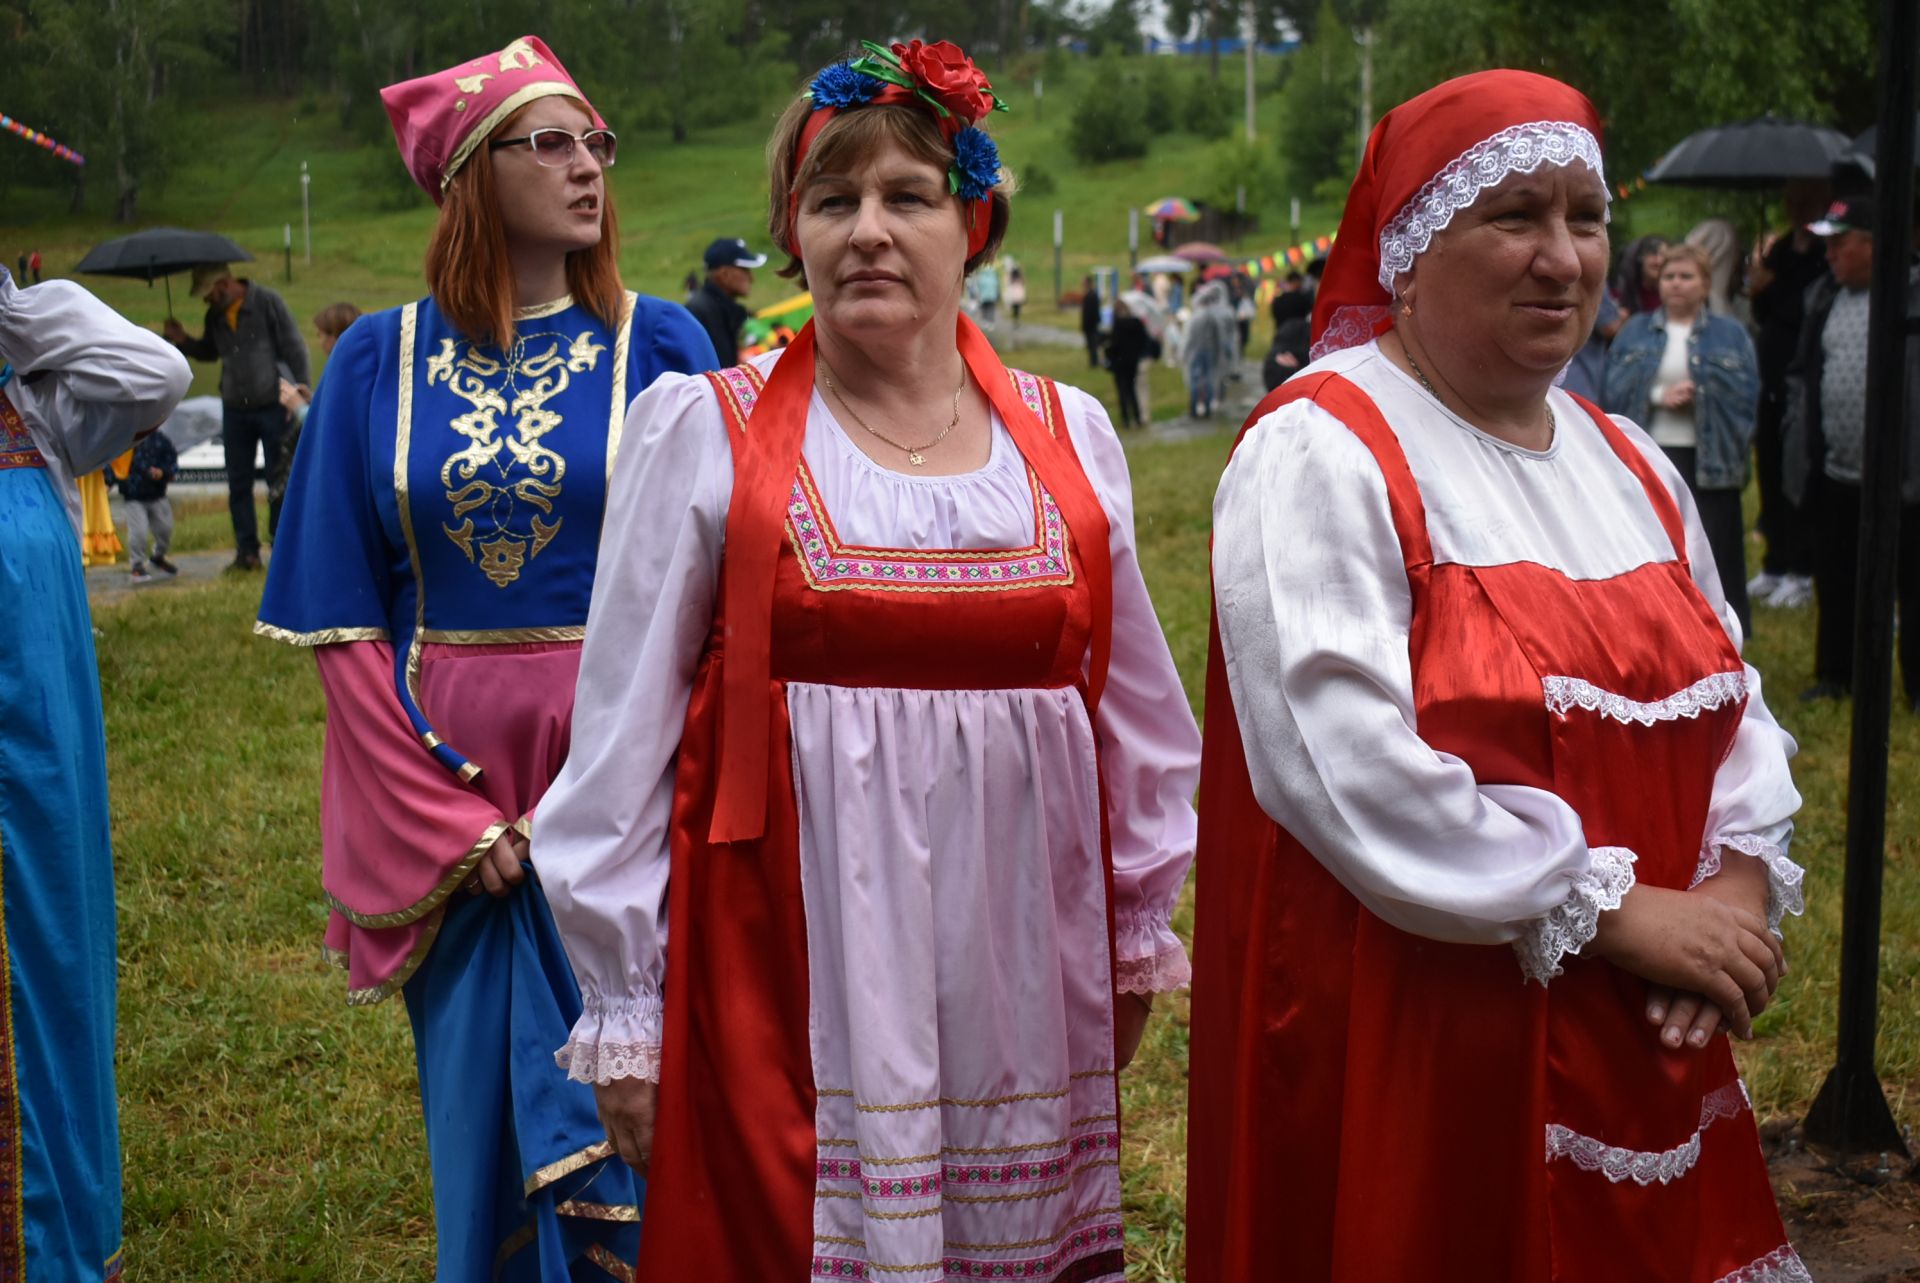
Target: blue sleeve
329,580
1617,380
667,340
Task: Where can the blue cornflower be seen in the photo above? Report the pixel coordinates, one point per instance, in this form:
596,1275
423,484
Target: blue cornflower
976,163
841,86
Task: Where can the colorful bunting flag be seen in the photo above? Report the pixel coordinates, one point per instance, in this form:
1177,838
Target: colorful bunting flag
39,139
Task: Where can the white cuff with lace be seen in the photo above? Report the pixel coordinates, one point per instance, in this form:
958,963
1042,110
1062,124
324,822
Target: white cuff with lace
614,1039
1573,923
1785,893
1151,957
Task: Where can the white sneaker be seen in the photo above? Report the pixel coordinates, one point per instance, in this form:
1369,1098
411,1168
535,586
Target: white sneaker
1763,584
1794,593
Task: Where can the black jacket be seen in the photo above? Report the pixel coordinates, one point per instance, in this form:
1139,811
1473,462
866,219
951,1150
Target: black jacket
1090,312
153,451
1803,448
251,355
721,315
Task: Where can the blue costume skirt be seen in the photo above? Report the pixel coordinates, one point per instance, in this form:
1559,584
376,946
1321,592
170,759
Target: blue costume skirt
59,1127
526,1188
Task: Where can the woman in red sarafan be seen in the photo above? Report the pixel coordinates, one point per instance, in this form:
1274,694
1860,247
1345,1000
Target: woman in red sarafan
1493,816
878,802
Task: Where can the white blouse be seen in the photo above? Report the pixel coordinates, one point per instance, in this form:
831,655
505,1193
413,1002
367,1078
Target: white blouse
1315,618
106,379
600,837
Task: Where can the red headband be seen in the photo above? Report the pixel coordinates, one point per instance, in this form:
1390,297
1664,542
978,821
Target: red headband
979,212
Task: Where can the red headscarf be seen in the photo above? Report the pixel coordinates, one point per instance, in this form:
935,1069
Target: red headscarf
1428,159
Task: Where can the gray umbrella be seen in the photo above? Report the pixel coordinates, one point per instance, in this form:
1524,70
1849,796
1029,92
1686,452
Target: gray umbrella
1763,152
159,252
1861,156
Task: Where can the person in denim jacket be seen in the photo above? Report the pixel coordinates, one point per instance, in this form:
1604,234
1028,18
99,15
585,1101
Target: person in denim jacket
1692,378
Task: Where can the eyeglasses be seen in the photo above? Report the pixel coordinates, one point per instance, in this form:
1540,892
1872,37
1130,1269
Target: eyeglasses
553,146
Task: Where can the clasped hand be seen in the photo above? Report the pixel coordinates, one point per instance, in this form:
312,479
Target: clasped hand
502,868
1712,961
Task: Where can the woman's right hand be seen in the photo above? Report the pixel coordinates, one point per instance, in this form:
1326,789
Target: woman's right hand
1695,944
626,1110
500,869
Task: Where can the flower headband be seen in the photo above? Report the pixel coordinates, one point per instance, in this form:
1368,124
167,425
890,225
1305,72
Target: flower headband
939,79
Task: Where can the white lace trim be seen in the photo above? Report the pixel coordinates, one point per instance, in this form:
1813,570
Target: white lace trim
1781,1265
602,1062
1349,326
1646,1167
1161,972
1518,149
1564,694
1785,880
619,1039
1572,923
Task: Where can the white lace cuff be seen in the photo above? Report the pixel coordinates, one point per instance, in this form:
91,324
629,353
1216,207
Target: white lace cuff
617,1039
1785,893
1574,922
1152,959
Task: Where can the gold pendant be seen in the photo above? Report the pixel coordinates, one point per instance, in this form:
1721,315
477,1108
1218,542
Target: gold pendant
917,459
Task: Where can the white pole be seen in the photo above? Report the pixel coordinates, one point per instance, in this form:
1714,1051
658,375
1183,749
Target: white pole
1251,30
306,210
1133,238
1059,239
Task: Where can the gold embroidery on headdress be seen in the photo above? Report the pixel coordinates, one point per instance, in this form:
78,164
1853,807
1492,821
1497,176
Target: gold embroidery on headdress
519,54
472,84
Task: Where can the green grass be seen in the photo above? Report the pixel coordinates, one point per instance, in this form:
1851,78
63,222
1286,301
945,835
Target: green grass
273,1134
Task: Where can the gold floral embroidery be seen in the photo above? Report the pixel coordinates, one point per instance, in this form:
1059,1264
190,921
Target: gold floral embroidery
519,54
471,84
500,472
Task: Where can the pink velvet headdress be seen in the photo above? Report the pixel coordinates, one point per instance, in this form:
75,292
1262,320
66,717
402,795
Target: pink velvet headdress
439,119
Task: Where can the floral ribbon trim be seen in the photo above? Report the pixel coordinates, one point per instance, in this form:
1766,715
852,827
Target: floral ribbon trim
1078,1246
1647,1167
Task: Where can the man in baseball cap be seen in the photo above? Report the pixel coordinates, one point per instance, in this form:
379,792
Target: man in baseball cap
716,304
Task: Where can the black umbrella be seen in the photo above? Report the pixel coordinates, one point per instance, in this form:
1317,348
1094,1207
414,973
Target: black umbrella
159,252
1763,152
1861,154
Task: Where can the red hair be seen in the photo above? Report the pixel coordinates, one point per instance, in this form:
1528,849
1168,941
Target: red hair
470,274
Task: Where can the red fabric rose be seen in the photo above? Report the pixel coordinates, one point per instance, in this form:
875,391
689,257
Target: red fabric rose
950,76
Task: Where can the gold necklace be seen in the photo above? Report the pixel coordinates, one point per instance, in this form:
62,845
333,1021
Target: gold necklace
1421,375
914,455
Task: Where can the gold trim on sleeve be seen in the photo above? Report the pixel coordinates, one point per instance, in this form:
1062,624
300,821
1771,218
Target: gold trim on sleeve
613,1265
617,417
567,1166
491,121
391,985
513,1243
320,637
501,636
433,899
625,1213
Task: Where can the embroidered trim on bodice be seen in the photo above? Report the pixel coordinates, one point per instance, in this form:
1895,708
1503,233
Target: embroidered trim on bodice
17,449
1646,1167
1564,694
830,565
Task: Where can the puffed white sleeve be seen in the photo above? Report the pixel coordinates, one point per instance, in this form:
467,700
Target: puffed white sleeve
599,841
1754,800
1149,745
1315,615
89,380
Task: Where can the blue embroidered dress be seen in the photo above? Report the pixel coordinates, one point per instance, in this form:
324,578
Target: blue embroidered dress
437,548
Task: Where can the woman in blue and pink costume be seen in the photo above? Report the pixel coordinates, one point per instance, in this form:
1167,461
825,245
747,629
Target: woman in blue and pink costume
878,803
437,551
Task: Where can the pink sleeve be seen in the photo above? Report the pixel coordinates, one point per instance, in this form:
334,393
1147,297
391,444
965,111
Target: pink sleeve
398,832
